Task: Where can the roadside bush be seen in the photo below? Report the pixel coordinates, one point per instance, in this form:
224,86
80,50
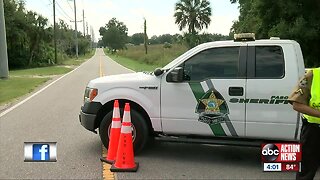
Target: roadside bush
167,45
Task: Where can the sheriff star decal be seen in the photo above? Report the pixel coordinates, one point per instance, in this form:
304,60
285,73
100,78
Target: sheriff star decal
212,103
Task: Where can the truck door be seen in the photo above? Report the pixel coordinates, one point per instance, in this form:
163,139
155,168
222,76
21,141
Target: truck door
200,105
270,81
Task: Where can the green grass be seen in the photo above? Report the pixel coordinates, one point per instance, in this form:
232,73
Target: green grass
43,71
18,86
133,64
80,60
135,58
24,81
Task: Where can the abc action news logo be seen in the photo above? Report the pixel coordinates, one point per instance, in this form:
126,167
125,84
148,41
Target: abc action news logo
281,152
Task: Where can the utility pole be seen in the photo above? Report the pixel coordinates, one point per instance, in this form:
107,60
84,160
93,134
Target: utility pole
4,69
76,29
84,26
87,28
54,32
92,37
145,36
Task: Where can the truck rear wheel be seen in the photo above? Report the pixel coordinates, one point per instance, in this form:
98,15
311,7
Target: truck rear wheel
140,133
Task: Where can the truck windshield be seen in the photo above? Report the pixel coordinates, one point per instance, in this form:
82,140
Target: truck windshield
175,61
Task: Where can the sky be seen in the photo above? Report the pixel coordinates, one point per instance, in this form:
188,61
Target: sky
158,13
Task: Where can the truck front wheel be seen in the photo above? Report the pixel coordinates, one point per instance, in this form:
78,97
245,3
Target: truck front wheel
140,133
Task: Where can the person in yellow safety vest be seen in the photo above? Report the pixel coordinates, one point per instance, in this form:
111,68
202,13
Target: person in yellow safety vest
306,100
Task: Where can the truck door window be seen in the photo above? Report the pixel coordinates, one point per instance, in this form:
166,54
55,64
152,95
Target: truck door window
213,63
269,62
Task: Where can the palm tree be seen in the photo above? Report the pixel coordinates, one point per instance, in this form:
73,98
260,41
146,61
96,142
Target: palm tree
195,14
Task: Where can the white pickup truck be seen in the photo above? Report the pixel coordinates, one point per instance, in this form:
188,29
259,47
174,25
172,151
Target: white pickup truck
221,92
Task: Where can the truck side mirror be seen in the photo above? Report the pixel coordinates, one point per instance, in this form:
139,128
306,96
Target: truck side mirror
176,75
157,72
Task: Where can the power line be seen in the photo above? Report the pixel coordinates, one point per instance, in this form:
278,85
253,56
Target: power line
69,5
63,11
47,6
60,12
50,2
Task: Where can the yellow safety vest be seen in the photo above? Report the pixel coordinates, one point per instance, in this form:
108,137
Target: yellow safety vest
315,96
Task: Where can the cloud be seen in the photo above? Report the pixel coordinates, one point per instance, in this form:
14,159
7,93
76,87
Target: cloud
220,24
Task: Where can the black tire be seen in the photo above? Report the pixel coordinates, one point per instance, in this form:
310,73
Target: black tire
140,136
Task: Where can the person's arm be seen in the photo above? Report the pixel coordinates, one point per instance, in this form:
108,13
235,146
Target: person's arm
305,109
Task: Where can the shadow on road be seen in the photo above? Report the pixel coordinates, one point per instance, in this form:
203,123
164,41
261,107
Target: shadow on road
186,152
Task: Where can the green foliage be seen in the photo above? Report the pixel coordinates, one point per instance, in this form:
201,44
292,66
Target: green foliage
18,86
154,40
43,71
167,45
157,54
30,38
132,64
137,38
193,14
76,62
114,34
162,39
65,42
287,19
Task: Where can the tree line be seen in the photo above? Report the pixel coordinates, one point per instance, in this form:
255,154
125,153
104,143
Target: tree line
137,38
115,36
288,19
30,38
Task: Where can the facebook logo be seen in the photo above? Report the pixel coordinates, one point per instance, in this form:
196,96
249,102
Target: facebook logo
40,152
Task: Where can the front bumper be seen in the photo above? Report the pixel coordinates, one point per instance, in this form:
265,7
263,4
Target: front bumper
88,115
87,121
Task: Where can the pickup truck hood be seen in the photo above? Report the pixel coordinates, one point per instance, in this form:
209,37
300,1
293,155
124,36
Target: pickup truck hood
131,80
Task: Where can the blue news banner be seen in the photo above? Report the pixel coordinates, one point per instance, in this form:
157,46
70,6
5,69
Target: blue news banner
40,151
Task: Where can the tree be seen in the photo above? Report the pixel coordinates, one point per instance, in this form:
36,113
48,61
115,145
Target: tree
154,40
193,14
207,37
37,34
30,38
287,19
177,38
165,38
114,34
137,38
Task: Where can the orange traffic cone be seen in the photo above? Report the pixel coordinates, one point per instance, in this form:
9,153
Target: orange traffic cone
114,135
125,157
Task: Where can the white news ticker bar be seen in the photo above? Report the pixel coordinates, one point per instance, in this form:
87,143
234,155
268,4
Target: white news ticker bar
272,167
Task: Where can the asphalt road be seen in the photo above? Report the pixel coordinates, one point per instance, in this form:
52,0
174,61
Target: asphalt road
52,116
195,161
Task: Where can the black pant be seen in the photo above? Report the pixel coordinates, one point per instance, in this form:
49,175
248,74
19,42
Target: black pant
310,140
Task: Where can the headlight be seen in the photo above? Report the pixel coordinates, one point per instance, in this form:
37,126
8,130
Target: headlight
90,94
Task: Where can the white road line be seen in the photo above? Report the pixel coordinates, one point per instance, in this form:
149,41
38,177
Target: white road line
38,92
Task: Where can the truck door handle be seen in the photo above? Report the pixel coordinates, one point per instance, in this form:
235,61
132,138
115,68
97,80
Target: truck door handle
235,91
